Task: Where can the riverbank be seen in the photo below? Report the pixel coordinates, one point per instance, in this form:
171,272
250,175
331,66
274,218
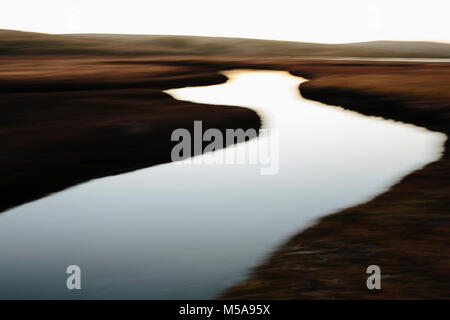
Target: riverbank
66,120
404,231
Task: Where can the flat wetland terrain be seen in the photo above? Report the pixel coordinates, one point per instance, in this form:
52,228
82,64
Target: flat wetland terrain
74,108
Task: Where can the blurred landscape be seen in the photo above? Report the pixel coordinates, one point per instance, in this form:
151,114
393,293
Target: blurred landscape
80,107
17,42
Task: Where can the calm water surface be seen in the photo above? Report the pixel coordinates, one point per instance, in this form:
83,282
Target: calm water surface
189,231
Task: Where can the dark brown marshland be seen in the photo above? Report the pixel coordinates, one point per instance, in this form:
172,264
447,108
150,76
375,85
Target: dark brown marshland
79,107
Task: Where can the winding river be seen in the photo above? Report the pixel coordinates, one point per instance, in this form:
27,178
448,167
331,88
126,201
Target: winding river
188,231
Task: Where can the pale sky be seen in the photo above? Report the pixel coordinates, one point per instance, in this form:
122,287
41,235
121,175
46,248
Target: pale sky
329,21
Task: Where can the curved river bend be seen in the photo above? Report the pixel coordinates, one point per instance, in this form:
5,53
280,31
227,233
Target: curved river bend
189,231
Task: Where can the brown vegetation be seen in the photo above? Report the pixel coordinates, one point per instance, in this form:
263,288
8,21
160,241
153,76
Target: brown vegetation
405,230
83,108
65,121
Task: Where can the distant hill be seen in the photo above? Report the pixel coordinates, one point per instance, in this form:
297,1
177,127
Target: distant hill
28,43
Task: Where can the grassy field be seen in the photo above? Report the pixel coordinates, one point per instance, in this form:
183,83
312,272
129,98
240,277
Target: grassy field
66,121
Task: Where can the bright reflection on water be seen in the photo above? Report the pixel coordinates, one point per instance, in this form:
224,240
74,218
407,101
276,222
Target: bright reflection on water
189,231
